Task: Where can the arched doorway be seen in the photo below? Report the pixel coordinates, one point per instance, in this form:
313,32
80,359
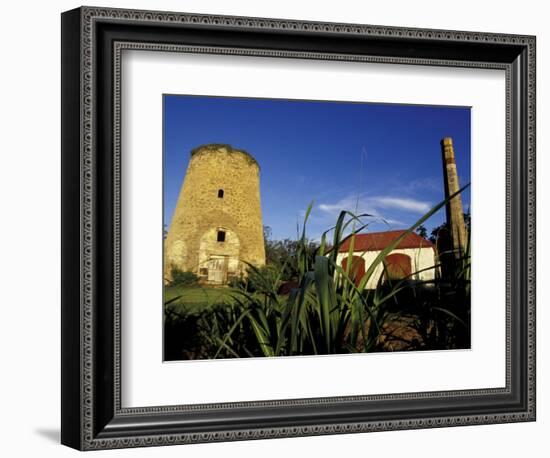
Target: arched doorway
397,266
219,255
357,269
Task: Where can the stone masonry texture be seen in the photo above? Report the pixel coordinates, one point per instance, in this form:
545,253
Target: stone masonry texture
219,198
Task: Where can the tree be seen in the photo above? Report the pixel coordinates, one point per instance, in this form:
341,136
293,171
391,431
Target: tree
445,225
283,253
422,231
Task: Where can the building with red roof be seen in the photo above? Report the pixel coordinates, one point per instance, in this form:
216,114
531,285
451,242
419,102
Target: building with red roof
412,258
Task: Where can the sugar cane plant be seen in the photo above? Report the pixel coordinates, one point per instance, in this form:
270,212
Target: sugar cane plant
328,311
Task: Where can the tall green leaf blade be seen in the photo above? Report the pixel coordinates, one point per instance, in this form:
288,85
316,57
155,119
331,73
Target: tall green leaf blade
325,298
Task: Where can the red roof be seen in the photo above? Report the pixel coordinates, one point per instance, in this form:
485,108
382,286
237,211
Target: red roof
377,241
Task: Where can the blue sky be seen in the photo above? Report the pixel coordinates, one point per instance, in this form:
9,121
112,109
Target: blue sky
382,159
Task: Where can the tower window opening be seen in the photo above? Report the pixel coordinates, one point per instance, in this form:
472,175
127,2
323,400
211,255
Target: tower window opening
221,236
220,193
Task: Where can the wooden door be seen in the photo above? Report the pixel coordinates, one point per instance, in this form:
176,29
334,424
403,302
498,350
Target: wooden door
217,270
356,270
397,266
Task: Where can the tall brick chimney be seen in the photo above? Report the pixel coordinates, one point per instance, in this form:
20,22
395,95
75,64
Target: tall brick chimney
455,214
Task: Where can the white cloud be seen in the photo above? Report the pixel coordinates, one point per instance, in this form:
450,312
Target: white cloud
347,203
431,184
395,222
401,203
375,205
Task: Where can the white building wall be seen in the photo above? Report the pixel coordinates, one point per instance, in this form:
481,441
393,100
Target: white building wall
421,258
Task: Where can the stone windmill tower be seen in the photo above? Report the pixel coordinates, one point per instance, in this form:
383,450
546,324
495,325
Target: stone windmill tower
217,224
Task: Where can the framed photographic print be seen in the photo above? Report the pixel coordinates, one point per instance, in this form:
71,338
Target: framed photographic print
278,228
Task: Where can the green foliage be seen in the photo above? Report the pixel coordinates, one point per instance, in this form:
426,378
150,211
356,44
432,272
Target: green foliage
265,278
195,297
445,227
181,278
422,231
283,254
328,313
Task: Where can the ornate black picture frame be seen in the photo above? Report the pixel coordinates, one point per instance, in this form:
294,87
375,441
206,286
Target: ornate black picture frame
92,415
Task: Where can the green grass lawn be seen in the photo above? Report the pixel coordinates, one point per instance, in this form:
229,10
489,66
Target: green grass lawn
196,298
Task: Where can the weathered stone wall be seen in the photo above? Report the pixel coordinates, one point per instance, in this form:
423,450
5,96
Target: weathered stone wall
200,214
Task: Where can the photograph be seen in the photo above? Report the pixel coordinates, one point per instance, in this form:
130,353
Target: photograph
314,227
278,223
